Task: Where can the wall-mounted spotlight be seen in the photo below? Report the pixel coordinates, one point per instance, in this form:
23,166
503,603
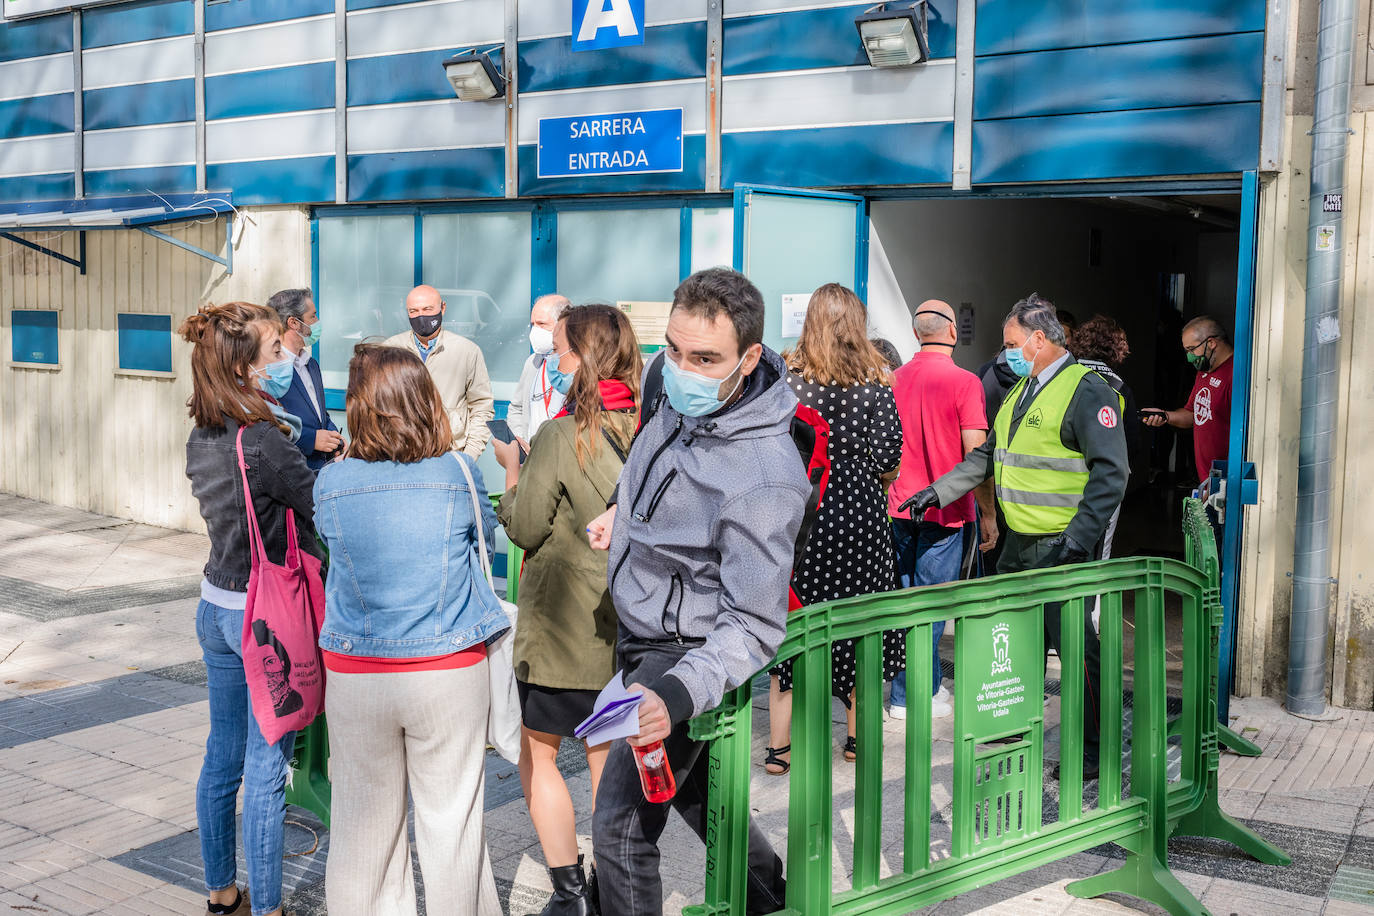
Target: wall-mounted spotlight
895,37
474,77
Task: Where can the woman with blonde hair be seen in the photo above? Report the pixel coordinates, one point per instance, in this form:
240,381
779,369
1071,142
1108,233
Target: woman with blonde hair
236,366
566,635
837,370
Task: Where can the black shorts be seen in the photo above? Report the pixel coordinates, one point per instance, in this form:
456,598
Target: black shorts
554,710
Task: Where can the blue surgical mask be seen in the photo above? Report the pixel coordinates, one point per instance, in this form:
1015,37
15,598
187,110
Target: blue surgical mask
312,335
275,378
1017,362
558,381
693,394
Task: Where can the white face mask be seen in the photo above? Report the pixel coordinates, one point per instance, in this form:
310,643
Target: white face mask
541,339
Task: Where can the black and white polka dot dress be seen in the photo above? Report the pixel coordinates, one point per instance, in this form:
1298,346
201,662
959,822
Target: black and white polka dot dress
850,550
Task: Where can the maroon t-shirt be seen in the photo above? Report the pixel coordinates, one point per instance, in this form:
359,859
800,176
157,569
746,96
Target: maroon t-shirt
1210,403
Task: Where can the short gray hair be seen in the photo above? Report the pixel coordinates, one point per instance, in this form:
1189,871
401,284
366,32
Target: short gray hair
554,302
290,303
1036,314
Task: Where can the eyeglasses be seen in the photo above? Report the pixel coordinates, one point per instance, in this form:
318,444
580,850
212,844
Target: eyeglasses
1200,343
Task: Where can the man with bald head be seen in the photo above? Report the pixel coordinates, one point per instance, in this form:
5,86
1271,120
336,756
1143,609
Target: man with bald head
941,408
1208,411
456,365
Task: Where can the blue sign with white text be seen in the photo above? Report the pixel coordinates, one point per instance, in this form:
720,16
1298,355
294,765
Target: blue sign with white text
625,143
607,24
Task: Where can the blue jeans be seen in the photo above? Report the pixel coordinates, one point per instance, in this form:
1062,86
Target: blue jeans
236,752
927,554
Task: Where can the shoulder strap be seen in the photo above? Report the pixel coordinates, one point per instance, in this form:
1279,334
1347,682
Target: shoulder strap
651,396
619,452
476,519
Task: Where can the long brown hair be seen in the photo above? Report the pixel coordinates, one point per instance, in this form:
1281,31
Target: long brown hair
605,343
1102,339
394,410
224,341
834,348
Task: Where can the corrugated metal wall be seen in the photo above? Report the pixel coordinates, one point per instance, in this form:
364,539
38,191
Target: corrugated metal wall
85,434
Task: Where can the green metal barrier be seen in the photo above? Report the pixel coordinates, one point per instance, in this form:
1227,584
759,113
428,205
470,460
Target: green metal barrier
998,827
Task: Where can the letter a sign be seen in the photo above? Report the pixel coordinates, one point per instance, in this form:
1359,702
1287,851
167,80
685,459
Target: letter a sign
607,24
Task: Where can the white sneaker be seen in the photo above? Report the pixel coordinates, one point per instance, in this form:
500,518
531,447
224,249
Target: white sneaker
896,712
942,704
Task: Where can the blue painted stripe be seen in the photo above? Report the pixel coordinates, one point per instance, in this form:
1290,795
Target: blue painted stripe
160,179
128,22
821,157
374,4
416,77
304,87
35,37
1006,26
1120,144
166,102
428,174
255,12
46,114
691,178
57,186
1155,74
669,52
309,179
811,39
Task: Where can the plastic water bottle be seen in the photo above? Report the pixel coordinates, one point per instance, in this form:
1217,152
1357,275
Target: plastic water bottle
655,775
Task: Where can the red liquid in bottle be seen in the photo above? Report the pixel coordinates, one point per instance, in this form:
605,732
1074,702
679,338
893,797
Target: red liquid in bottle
655,775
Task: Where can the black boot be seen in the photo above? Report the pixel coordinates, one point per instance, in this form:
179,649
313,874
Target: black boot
594,892
570,896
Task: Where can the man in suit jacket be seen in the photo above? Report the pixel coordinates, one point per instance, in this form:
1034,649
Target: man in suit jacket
320,438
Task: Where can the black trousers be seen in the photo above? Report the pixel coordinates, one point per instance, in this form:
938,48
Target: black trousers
1024,551
626,828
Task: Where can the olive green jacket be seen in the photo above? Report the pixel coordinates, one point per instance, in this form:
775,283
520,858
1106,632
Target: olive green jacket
566,631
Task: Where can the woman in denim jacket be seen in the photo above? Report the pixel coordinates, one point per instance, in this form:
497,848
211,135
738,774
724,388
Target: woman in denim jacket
408,613
236,360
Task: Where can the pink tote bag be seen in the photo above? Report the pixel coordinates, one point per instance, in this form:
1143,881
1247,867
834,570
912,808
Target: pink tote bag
281,629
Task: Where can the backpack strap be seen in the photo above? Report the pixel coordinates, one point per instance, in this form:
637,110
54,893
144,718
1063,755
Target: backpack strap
651,395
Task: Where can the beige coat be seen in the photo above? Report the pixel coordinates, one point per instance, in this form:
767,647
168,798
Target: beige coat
565,637
458,369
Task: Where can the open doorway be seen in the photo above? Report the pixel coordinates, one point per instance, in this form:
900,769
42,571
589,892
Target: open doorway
1150,263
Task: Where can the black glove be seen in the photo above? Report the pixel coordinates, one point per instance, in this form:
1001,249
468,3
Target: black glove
918,504
1064,550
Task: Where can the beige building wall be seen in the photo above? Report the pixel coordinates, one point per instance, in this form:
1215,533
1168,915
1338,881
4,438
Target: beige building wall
84,433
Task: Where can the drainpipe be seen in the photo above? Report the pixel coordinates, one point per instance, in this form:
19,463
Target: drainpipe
1307,637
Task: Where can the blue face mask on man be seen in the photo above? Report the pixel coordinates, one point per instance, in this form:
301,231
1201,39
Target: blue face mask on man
693,394
275,378
558,381
1017,361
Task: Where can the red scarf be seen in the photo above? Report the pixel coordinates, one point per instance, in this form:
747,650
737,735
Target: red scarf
615,395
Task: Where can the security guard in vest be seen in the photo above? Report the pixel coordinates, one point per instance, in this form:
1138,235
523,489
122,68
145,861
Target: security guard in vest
1057,453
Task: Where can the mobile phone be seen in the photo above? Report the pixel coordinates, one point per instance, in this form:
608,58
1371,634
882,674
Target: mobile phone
1151,412
501,430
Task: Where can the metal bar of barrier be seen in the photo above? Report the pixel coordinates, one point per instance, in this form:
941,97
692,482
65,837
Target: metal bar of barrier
868,777
916,827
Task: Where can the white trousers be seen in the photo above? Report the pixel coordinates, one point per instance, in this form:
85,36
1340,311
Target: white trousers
424,731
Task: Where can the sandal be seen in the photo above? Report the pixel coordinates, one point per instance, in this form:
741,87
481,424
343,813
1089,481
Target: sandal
851,748
774,759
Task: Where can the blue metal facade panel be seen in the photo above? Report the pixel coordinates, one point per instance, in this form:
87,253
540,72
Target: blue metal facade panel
162,179
291,181
1118,144
166,102
691,178
393,78
669,52
145,342
23,38
426,175
811,39
262,92
56,186
1007,26
33,117
254,12
1155,74
840,157
129,22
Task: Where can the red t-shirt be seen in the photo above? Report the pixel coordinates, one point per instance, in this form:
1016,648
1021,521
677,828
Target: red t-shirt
1210,403
936,401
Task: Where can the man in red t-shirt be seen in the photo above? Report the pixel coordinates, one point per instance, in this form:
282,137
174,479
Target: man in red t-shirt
941,409
1208,411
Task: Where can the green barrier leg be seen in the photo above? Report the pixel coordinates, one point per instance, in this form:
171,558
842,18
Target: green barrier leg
307,784
1208,820
1145,877
1236,743
727,811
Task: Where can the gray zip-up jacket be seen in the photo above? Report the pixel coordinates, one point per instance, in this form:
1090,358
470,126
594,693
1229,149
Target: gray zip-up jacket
701,551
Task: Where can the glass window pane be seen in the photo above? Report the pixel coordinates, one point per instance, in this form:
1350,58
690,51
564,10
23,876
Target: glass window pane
713,237
618,255
367,265
480,263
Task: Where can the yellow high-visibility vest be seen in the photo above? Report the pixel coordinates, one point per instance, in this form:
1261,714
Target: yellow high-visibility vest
1039,481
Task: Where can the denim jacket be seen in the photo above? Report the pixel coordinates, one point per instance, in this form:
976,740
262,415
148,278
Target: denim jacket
404,580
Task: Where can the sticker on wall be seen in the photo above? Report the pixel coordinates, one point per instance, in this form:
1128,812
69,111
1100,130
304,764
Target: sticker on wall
1326,238
794,307
650,323
600,24
622,143
966,324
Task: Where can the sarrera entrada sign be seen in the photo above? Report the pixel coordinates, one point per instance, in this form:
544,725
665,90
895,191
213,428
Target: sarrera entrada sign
618,143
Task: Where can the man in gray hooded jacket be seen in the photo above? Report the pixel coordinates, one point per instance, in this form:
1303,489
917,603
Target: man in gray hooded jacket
701,534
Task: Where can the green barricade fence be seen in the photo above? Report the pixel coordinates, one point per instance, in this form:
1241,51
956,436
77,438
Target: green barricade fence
307,783
998,826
